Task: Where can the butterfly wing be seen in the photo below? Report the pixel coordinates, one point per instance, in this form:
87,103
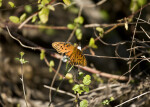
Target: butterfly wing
62,47
77,58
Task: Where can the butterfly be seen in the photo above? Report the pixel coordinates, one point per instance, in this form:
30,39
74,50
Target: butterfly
75,55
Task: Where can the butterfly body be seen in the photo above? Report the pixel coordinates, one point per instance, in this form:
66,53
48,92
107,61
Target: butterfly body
75,55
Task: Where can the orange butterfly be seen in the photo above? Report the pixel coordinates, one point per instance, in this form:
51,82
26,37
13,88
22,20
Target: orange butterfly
75,55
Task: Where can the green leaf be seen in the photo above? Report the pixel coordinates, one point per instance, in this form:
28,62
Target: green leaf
79,20
133,6
42,54
21,54
71,81
141,2
78,34
34,19
92,43
44,2
111,98
51,63
87,80
28,8
43,15
105,102
23,17
81,74
67,2
71,26
0,3
81,85
84,103
76,88
101,31
14,19
78,31
50,69
85,88
12,5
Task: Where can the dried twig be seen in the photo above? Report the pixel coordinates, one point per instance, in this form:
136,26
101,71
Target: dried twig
148,92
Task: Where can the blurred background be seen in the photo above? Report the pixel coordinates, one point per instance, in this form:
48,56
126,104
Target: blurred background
49,21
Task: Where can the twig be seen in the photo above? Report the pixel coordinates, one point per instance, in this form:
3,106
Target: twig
130,54
22,80
50,92
145,32
103,73
60,91
25,46
45,27
133,99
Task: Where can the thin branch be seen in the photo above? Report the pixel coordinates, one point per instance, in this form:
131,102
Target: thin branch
60,91
133,99
103,73
145,32
50,92
23,86
45,27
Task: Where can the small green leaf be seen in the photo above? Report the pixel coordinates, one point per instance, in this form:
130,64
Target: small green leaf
76,88
42,54
12,5
14,19
85,88
133,6
23,17
105,102
50,69
71,81
34,19
51,63
141,2
78,31
79,36
81,74
87,80
28,8
84,103
79,20
43,15
39,1
111,98
0,3
101,31
71,26
92,43
81,85
21,54
67,2
44,2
